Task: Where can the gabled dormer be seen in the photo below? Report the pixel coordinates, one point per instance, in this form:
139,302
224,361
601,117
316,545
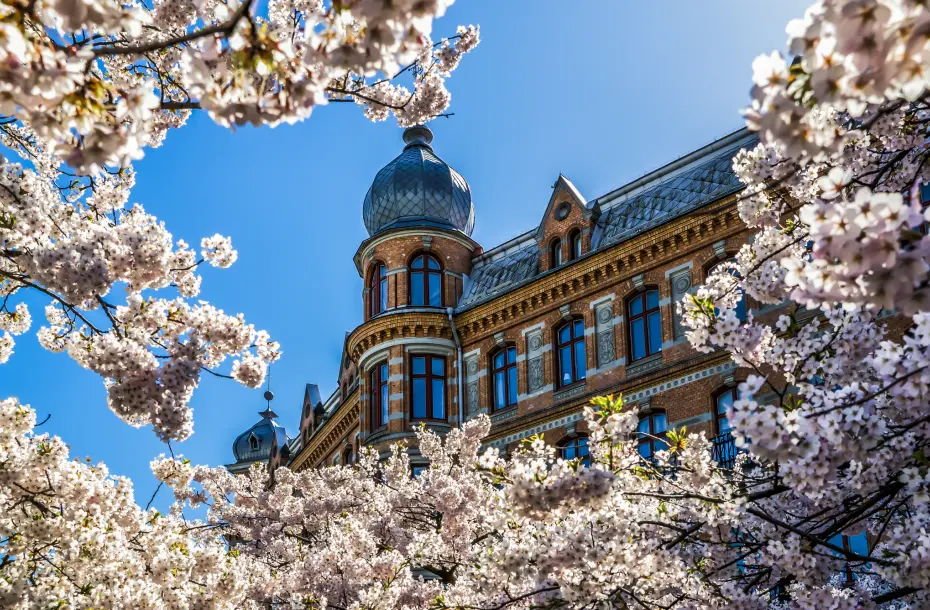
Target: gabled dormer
348,372
565,231
311,413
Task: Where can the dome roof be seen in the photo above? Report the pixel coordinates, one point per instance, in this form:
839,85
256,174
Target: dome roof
418,188
255,443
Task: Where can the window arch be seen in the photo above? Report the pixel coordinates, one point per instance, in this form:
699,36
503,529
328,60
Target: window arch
377,290
650,434
555,253
253,442
572,363
741,305
575,447
722,401
428,386
504,377
574,244
378,395
645,324
425,281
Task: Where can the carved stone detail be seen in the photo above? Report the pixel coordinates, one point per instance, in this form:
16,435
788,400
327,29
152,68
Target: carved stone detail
471,366
471,401
535,342
681,283
605,347
535,374
604,314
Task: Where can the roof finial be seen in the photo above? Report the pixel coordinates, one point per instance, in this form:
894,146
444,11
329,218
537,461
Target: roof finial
269,396
418,135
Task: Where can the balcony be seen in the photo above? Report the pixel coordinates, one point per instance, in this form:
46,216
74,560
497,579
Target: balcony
725,450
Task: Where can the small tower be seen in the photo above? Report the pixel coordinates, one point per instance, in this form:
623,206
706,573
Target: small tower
260,443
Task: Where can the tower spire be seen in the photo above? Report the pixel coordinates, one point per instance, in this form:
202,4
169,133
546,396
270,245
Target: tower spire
269,396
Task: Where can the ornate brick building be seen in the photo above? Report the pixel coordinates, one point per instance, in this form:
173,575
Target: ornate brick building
530,330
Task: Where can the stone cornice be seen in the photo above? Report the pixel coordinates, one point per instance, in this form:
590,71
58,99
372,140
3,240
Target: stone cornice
322,442
609,267
398,324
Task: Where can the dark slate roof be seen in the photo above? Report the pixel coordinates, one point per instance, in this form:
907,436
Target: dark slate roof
654,204
418,188
501,273
678,195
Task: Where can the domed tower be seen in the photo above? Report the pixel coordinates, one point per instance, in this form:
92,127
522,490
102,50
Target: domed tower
420,217
264,441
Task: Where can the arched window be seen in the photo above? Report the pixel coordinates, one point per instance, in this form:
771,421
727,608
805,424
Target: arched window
347,457
722,402
253,442
378,395
377,290
571,355
428,387
555,253
425,281
645,325
574,240
504,377
575,447
741,305
651,434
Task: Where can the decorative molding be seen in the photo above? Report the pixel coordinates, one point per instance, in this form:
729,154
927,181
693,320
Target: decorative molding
720,249
645,365
471,399
681,284
605,347
534,374
499,339
565,311
556,423
427,242
722,368
504,415
535,342
570,392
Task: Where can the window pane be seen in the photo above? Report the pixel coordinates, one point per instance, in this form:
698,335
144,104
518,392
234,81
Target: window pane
499,360
416,288
384,294
568,451
652,299
382,271
435,294
859,544
432,262
580,361
583,446
658,423
384,373
645,449
511,355
565,364
417,263
655,332
638,338
419,366
438,367
724,400
741,307
512,386
579,328
419,398
558,254
636,305
723,424
417,470
499,390
565,334
384,404
439,399
643,425
576,246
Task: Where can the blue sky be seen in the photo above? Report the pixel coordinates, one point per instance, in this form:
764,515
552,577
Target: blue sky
602,91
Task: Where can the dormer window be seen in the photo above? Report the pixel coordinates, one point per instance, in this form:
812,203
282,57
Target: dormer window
253,442
555,254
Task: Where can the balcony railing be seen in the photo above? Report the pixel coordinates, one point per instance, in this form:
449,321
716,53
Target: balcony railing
725,450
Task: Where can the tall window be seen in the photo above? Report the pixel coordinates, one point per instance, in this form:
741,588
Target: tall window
645,326
571,356
651,434
428,385
574,239
425,281
576,447
555,253
377,290
504,377
378,395
347,457
724,401
741,305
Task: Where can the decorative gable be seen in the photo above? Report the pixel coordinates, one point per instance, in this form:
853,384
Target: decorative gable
567,217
